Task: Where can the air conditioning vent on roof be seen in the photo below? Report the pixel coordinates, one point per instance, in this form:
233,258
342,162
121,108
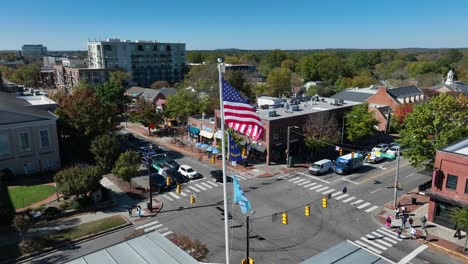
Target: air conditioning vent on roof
341,101
295,108
272,113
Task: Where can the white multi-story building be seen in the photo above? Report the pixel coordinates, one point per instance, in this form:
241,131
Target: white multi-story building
36,51
146,61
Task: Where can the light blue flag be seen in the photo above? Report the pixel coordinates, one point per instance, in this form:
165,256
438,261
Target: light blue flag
240,198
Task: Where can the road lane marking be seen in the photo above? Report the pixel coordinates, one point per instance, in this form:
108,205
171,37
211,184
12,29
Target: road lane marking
363,205
193,188
201,187
375,190
167,197
413,254
311,184
298,181
357,202
379,239
328,191
382,173
341,196
302,183
285,176
146,225
349,199
174,195
344,179
315,187
384,237
212,183
368,247
335,194
206,185
409,175
152,228
167,233
371,209
183,194
388,233
241,177
373,243
293,179
322,189
312,177
371,252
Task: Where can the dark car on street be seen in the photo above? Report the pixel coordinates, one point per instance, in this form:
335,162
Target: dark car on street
176,176
217,176
172,164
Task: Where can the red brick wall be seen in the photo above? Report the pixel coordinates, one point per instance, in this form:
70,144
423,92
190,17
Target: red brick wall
379,117
382,97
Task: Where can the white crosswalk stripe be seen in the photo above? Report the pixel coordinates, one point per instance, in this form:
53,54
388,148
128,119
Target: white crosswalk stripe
298,181
212,183
167,233
335,194
174,195
183,194
152,228
311,184
167,197
193,188
293,179
372,209
206,185
349,199
368,247
322,189
388,233
363,205
379,240
384,237
367,241
357,202
285,176
146,225
341,196
302,183
200,187
328,191
315,187
241,177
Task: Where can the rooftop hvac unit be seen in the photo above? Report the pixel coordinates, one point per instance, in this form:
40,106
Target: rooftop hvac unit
336,102
272,113
295,108
341,101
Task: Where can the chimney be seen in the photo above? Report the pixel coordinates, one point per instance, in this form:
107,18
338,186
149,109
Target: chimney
382,89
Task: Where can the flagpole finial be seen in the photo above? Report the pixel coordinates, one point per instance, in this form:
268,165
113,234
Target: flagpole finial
220,60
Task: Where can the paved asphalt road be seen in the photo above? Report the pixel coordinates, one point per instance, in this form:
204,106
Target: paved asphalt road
348,216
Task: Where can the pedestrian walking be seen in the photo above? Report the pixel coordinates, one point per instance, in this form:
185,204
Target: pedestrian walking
423,221
345,190
425,233
410,221
403,210
399,232
403,222
139,211
130,211
388,222
397,212
412,232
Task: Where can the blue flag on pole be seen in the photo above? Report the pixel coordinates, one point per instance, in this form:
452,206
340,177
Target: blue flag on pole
234,152
239,197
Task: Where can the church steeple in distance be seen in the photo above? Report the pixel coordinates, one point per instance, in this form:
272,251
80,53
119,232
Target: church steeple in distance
449,79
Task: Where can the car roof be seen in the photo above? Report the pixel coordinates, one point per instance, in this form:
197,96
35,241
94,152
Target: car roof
321,162
185,166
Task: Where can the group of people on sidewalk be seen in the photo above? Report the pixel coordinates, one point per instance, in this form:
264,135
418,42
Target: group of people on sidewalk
401,212
138,209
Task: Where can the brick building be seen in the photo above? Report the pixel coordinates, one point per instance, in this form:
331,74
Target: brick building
396,96
449,183
68,77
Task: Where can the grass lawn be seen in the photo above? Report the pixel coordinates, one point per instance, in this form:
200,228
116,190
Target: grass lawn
23,196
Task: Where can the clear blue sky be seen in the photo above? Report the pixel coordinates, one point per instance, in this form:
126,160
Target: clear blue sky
244,24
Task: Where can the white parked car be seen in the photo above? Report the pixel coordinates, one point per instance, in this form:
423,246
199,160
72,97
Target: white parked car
373,158
381,148
320,167
188,172
394,151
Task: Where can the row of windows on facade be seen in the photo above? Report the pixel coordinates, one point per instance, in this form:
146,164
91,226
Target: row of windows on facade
45,165
24,140
452,181
141,47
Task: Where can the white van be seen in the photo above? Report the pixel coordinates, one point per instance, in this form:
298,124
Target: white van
321,166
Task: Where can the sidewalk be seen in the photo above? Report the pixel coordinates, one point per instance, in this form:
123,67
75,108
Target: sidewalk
257,170
439,237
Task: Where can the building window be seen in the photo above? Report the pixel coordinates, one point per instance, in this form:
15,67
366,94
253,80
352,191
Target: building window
4,144
466,186
44,138
25,144
451,182
275,134
28,167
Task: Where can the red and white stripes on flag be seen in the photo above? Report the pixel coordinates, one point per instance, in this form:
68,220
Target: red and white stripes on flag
239,115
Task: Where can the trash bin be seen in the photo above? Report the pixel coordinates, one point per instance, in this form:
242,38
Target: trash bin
148,206
413,200
290,162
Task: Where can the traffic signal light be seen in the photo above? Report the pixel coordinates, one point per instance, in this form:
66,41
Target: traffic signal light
244,152
192,199
368,155
244,261
178,189
341,152
213,159
324,202
352,155
168,181
307,210
284,217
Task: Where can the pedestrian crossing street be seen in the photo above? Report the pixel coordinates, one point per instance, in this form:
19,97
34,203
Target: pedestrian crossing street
379,240
196,187
326,190
155,225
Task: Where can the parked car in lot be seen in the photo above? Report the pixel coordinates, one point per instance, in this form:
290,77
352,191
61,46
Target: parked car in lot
172,164
217,176
382,147
188,172
373,158
320,167
152,158
394,151
158,183
145,149
393,144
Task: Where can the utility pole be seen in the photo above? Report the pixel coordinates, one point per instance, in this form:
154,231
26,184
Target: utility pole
148,164
342,130
248,238
287,148
397,174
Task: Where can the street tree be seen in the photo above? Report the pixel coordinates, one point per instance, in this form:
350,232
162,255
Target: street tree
360,123
159,84
184,104
321,129
111,93
28,75
433,125
105,149
119,77
279,81
127,166
147,114
22,223
78,180
460,217
402,111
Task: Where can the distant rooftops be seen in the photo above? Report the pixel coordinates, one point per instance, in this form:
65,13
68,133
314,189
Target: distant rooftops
117,40
460,147
19,109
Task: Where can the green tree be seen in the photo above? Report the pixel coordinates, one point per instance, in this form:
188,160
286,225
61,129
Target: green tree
237,80
325,66
159,84
360,123
184,104
119,77
28,75
111,93
433,125
279,81
105,149
78,180
127,166
22,223
146,114
460,217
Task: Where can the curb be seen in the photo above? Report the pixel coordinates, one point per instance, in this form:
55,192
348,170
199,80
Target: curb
451,252
75,241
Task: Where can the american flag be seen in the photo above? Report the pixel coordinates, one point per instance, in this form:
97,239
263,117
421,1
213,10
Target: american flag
239,115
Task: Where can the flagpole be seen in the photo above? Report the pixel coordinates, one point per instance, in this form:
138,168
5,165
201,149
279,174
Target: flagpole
221,107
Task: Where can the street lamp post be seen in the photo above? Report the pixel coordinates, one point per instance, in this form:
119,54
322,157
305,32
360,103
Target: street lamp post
397,174
148,165
287,148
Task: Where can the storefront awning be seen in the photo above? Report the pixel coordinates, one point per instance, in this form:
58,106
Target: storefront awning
194,130
218,134
206,134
